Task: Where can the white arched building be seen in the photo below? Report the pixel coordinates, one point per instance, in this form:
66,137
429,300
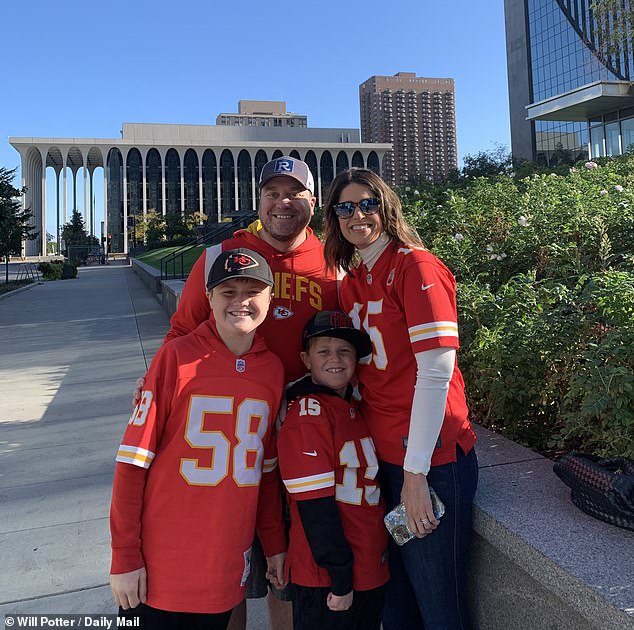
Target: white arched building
184,169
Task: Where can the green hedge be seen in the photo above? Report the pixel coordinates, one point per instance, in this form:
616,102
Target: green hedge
58,270
545,270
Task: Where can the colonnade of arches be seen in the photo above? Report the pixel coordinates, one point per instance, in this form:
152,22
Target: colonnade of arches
217,183
36,160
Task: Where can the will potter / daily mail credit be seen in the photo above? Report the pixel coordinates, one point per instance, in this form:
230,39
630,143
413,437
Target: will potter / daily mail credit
37,622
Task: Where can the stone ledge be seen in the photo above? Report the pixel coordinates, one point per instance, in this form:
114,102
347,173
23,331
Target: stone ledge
150,276
170,293
547,551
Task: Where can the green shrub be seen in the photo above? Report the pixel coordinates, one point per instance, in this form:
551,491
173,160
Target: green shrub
58,270
51,270
69,269
545,271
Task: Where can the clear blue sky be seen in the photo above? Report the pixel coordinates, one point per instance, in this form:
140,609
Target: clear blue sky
77,69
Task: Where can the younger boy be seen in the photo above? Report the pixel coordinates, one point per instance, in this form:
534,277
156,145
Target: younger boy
338,541
185,495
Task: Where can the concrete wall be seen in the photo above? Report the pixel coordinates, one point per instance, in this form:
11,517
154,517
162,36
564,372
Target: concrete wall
150,276
539,562
170,294
147,133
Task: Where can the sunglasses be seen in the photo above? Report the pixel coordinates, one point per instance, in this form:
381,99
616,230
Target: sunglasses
345,209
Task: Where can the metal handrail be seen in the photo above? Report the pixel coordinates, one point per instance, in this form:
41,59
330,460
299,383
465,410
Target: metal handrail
28,271
210,237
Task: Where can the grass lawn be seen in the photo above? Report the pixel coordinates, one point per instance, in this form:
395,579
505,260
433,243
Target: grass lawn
13,284
153,257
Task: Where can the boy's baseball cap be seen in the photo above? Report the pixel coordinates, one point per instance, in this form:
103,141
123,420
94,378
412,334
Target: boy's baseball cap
292,167
239,263
336,324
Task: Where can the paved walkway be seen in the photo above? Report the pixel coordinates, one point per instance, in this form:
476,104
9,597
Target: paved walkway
70,352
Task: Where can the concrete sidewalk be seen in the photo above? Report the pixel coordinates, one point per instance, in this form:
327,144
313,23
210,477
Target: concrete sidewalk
70,354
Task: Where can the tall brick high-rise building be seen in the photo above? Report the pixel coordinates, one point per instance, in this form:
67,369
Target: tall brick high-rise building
418,116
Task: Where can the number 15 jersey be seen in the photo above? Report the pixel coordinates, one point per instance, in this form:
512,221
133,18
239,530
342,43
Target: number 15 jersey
407,304
325,450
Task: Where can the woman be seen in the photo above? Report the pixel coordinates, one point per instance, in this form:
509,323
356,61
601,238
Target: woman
413,395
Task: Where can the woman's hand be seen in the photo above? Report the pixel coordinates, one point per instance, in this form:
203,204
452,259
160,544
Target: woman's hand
339,602
129,589
418,506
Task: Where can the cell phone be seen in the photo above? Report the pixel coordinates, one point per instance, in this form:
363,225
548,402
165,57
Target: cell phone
396,520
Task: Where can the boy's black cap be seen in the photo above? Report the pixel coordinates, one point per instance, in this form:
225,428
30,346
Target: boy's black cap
336,324
239,263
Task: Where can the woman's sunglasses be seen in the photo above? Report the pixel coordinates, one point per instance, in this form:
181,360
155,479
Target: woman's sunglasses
345,209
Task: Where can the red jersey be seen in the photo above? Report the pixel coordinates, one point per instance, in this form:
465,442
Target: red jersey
325,449
407,304
302,288
201,442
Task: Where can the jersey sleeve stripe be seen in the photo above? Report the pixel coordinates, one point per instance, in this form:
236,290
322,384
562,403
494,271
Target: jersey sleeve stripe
433,329
312,482
269,465
134,455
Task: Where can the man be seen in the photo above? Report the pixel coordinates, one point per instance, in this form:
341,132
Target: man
301,289
294,253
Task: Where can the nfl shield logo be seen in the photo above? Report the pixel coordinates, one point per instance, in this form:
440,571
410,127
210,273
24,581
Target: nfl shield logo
241,365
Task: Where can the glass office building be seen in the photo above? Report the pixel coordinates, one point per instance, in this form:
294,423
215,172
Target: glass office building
570,91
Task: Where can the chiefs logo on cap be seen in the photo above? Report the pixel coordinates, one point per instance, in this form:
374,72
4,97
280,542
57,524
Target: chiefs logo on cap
340,320
236,262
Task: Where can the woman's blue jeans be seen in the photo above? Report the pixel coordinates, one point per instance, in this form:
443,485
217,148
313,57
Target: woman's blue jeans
429,576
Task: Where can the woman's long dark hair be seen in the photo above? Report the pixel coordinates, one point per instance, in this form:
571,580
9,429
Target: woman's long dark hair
338,251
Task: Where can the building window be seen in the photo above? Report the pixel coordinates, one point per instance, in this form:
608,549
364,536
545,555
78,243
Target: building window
596,142
612,145
627,134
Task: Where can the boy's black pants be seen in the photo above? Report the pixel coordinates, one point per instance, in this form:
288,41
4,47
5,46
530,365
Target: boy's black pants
155,619
310,611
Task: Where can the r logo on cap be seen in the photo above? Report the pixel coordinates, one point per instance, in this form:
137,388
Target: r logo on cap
283,165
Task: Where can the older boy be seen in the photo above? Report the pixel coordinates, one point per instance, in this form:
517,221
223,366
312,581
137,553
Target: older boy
338,542
303,287
196,448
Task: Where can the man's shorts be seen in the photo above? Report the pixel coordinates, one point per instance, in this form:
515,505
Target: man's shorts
257,584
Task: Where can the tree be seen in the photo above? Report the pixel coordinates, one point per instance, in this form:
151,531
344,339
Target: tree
75,236
488,163
613,22
51,244
151,229
74,232
175,227
15,223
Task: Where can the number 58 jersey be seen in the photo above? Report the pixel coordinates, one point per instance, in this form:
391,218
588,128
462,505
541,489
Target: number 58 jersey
202,436
325,449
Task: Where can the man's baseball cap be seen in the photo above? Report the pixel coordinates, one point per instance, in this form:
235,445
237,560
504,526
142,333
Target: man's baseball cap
292,167
336,324
239,263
